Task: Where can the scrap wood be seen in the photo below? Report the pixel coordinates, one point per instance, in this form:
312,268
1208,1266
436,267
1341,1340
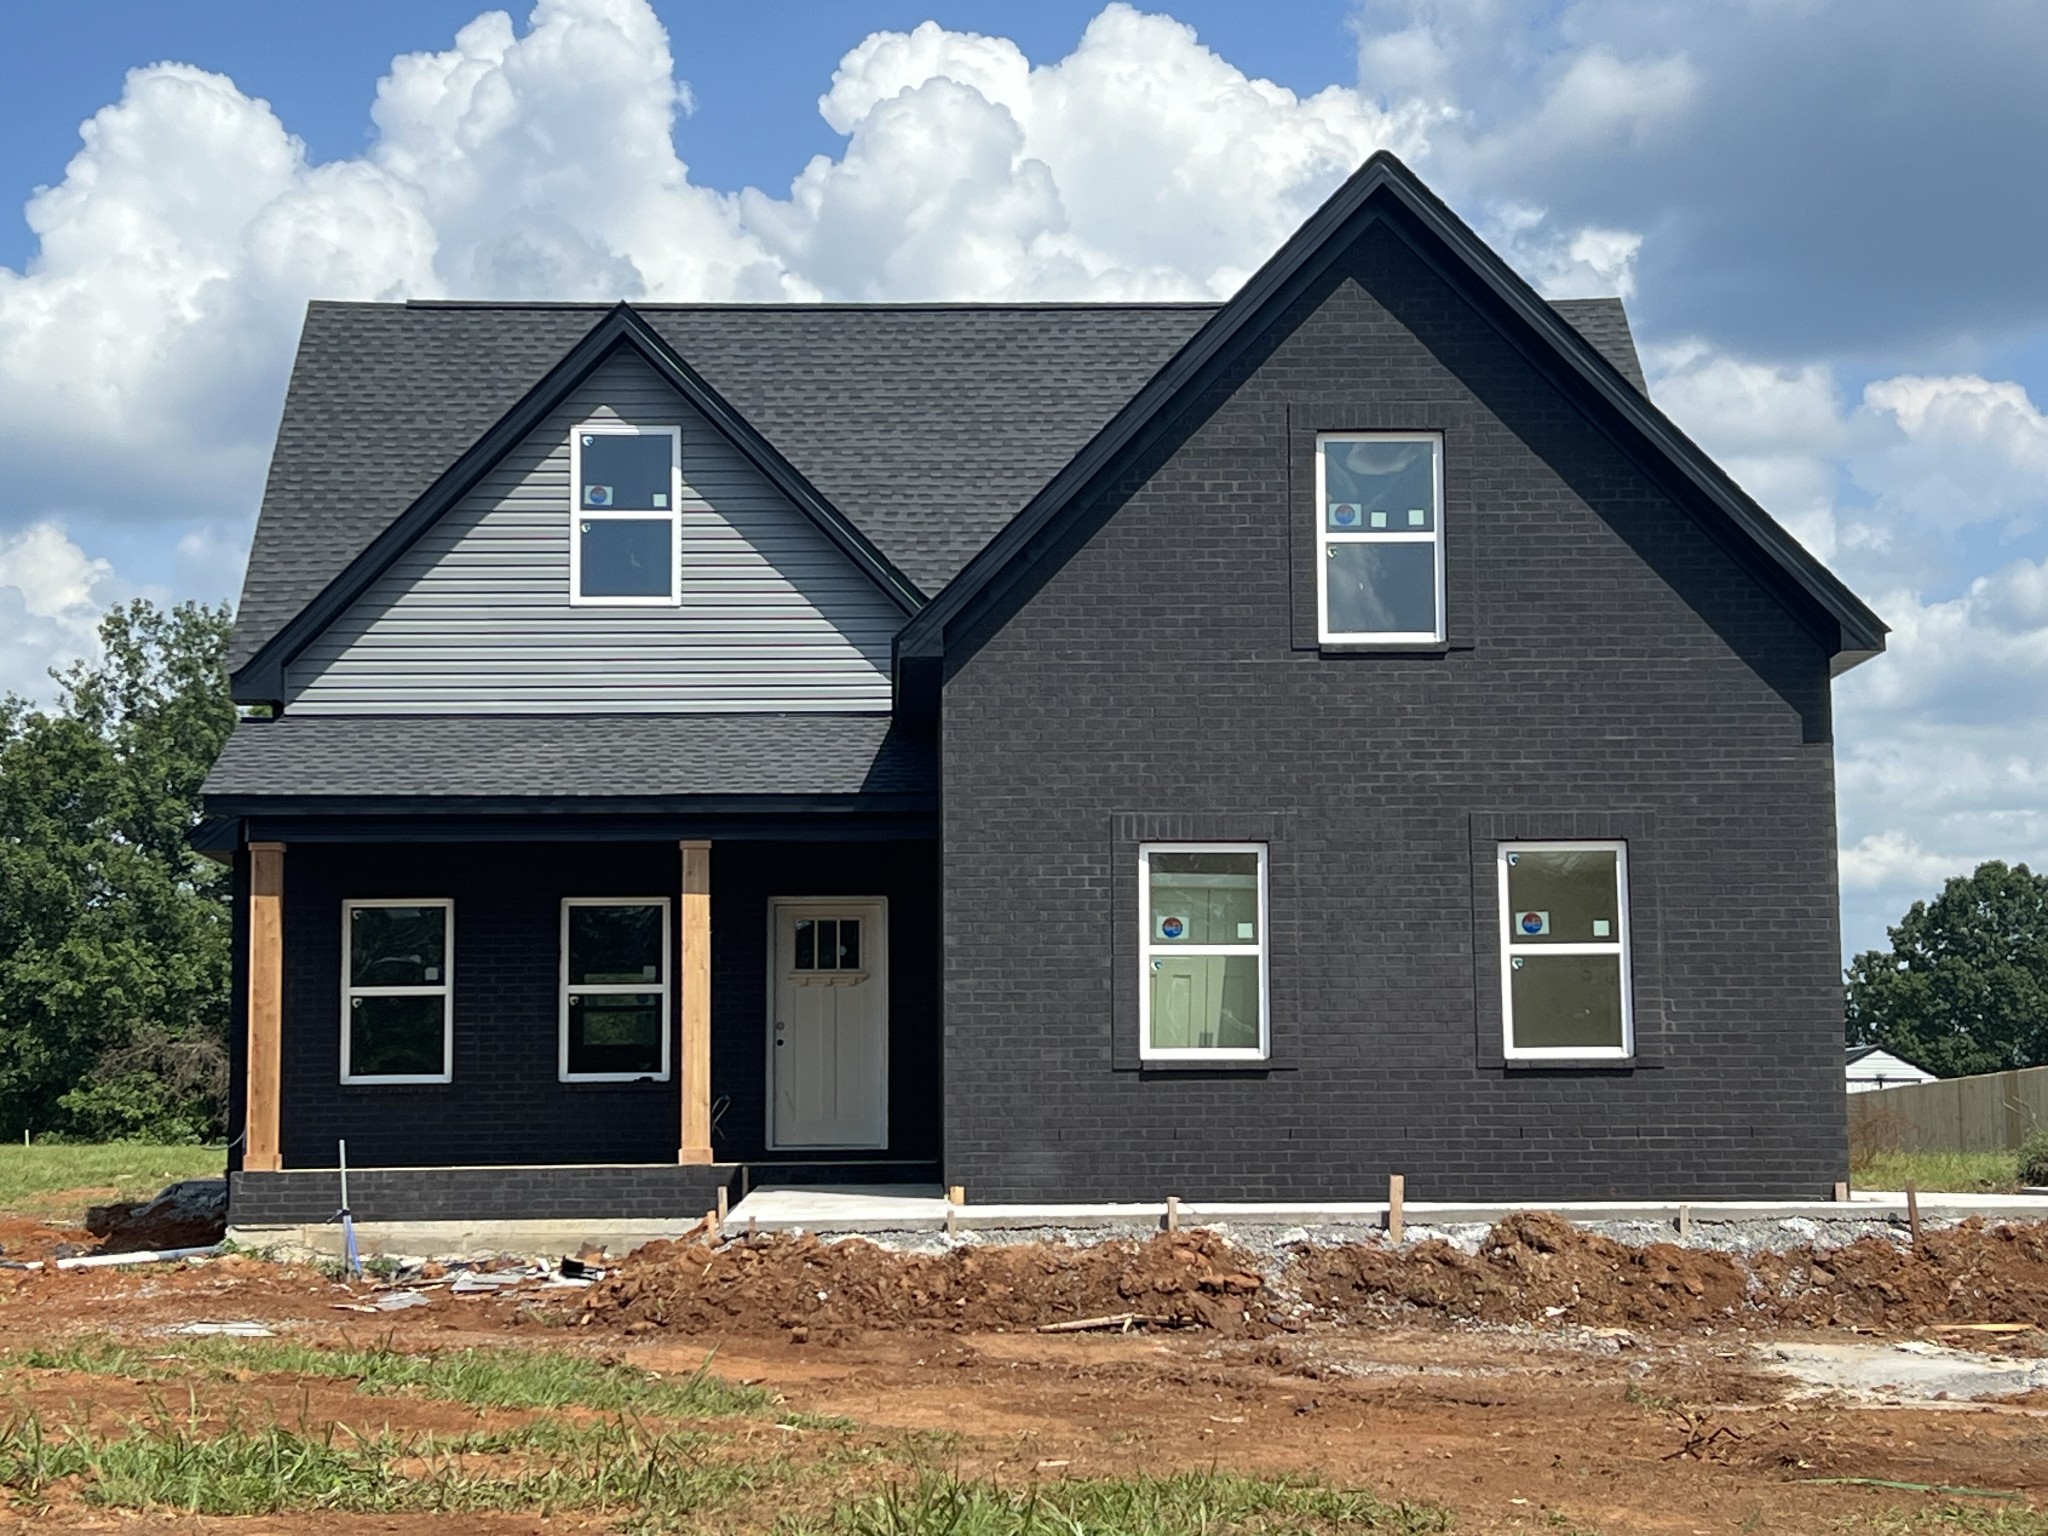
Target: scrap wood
1121,1320
1983,1327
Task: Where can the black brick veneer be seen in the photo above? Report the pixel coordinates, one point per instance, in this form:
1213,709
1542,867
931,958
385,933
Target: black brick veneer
1613,665
478,1194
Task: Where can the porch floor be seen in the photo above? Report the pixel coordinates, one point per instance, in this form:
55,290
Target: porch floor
919,1208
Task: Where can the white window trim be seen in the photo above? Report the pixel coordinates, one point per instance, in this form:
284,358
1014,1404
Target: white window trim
581,514
445,990
617,989
1147,948
1326,537
1618,945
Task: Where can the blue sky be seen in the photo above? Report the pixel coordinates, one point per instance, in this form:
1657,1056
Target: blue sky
1826,216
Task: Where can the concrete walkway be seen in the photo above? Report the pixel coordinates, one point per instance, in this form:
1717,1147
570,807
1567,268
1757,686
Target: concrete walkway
841,1209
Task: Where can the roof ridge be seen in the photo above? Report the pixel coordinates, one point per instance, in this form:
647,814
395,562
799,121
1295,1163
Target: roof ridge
794,306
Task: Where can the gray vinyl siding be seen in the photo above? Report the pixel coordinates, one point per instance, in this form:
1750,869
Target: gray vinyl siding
476,615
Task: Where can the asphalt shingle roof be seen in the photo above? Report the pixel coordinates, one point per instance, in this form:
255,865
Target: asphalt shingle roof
927,426
570,756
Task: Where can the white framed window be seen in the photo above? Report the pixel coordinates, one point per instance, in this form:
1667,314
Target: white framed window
615,989
1566,988
398,991
1202,952
625,517
1380,537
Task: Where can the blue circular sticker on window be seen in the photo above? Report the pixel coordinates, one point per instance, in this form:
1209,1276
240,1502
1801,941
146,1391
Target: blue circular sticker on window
1171,927
1535,922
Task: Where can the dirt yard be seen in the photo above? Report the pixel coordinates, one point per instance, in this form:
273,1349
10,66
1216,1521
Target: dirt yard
1553,1382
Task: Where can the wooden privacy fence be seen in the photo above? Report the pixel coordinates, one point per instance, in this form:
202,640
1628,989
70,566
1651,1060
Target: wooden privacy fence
1991,1112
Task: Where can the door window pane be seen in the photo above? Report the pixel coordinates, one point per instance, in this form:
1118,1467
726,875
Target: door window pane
1205,898
1205,1002
849,944
616,1033
1563,896
397,946
1566,1001
1381,588
626,556
614,944
397,1036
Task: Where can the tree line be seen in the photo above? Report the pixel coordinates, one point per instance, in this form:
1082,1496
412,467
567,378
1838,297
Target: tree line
114,935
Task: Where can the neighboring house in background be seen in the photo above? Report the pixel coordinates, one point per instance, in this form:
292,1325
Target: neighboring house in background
1873,1067
1068,751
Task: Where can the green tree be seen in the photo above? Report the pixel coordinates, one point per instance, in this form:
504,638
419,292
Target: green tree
114,935
1964,987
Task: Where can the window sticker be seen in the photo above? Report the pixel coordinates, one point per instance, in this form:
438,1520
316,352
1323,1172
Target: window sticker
1379,519
1417,517
1245,931
1533,924
1600,927
597,495
1173,927
1346,514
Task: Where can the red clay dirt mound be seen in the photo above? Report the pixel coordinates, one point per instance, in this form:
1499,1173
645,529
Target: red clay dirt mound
823,1291
1534,1267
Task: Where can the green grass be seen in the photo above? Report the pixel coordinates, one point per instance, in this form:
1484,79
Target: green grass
478,1378
651,1478
1214,1503
30,1176
168,1463
1975,1173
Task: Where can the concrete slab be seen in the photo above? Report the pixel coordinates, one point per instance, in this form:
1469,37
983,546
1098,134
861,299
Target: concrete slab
459,1239
848,1210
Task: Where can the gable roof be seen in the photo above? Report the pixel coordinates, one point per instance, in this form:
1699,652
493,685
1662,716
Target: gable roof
925,427
1382,186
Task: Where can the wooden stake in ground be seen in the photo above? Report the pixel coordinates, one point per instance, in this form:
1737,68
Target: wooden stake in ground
956,1194
1397,1188
1842,1192
1173,1213
1913,1213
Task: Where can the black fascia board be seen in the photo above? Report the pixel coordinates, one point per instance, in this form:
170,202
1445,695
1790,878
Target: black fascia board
291,825
568,807
1304,257
261,678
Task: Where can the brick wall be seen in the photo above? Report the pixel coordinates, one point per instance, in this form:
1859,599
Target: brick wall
506,1104
1613,665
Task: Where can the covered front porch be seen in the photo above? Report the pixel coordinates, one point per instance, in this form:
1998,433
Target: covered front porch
596,1010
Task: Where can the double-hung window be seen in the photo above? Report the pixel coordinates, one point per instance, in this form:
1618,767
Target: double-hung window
615,969
1565,985
625,524
397,991
1379,537
1202,992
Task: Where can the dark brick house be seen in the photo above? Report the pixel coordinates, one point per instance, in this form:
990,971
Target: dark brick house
1070,751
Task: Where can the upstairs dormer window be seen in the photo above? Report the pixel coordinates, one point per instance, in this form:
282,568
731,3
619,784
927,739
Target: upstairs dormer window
1380,537
625,526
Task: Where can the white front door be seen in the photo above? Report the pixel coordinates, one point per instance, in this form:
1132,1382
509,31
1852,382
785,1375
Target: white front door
828,1024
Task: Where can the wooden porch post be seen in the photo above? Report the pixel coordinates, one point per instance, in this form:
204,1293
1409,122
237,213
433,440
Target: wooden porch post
266,1006
694,1071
